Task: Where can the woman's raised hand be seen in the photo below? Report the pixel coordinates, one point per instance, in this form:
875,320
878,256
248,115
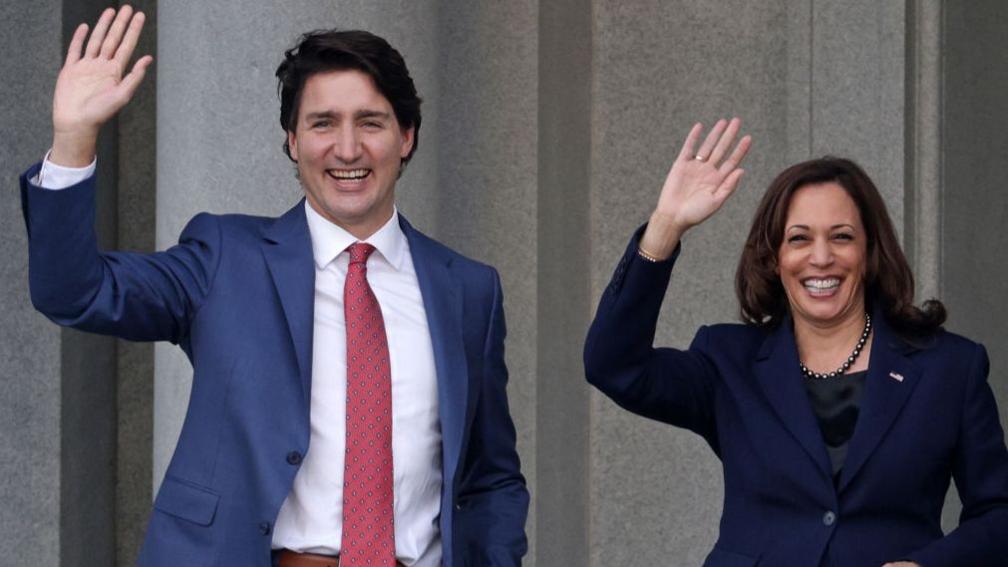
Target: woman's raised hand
697,185
92,87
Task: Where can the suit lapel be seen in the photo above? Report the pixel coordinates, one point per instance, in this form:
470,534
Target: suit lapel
890,381
442,298
780,378
287,249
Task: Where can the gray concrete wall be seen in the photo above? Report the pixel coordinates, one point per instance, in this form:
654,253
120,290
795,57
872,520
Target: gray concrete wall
548,129
562,473
487,175
137,193
810,78
974,204
29,344
656,491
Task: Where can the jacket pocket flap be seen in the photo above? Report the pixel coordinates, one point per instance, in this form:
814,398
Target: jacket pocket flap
186,501
721,558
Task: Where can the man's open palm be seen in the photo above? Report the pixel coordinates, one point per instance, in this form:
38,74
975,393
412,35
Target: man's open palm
91,87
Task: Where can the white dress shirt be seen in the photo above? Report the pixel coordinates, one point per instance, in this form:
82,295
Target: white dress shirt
310,519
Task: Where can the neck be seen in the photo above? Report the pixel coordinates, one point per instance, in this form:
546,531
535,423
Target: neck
824,347
362,228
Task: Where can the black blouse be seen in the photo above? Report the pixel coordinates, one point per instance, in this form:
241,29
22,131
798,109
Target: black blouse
836,403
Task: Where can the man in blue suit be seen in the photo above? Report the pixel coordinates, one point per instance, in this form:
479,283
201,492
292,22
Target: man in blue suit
348,402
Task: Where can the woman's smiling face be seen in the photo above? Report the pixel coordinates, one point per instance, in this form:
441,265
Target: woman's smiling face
822,257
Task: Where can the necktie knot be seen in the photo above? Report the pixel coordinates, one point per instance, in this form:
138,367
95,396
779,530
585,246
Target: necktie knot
359,252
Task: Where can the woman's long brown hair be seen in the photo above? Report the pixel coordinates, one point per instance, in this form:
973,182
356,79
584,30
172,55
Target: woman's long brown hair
889,283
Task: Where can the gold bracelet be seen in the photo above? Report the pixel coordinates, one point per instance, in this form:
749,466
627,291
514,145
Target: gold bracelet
648,256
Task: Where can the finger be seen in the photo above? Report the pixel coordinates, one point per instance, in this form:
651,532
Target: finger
76,44
686,152
728,186
733,161
725,141
708,145
115,32
98,34
129,42
131,81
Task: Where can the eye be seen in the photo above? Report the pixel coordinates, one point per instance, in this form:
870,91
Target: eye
372,125
843,236
320,124
797,238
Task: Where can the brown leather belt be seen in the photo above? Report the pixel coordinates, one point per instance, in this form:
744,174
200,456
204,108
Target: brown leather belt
290,558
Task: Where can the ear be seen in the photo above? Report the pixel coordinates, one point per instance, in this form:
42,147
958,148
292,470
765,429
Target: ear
407,142
292,144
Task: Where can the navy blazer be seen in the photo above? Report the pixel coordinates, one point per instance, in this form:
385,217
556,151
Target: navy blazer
927,415
237,294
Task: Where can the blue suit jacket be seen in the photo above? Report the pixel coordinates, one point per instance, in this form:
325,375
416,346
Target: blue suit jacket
237,294
927,415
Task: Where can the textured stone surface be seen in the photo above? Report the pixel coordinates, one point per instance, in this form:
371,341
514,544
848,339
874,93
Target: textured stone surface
659,67
922,192
88,375
974,205
857,97
547,132
562,398
135,396
29,344
487,175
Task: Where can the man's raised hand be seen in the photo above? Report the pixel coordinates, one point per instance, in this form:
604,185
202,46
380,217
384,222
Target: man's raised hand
92,87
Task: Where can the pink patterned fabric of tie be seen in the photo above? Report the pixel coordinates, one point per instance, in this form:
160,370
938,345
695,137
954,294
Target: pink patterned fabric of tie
368,527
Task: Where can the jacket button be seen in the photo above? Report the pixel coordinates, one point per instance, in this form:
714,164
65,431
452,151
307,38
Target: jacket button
294,458
264,528
829,518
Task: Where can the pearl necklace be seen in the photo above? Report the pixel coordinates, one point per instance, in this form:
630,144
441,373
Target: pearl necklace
850,359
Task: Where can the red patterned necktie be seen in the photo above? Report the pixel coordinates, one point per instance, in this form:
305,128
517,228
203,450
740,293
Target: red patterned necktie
368,528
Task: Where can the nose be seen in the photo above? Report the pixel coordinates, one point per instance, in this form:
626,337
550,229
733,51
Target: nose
822,253
347,145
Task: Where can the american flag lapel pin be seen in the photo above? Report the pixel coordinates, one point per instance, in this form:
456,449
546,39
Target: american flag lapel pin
896,376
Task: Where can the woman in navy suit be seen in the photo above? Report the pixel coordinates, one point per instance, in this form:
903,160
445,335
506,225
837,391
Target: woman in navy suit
839,409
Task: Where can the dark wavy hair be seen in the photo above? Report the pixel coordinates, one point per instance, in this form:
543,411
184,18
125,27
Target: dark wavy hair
322,51
889,282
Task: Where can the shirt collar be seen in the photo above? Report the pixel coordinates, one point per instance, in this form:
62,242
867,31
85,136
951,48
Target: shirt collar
330,240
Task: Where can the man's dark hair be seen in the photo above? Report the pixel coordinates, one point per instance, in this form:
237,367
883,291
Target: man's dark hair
322,51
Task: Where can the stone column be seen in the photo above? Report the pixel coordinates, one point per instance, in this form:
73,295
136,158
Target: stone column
808,78
29,344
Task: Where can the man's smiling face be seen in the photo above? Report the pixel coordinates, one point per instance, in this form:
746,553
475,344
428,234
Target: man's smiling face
348,146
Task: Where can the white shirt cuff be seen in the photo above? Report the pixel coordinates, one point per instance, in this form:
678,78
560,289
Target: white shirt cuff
55,177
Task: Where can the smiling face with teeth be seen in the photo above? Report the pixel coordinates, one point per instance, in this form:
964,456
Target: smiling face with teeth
348,147
822,257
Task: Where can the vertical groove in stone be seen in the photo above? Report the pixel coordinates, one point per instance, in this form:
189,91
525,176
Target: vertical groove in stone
811,77
922,190
88,376
135,362
564,130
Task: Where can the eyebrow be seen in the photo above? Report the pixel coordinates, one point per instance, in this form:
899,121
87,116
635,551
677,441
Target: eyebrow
834,227
359,115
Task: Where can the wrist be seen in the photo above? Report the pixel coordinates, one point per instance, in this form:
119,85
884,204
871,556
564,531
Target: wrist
661,236
73,149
